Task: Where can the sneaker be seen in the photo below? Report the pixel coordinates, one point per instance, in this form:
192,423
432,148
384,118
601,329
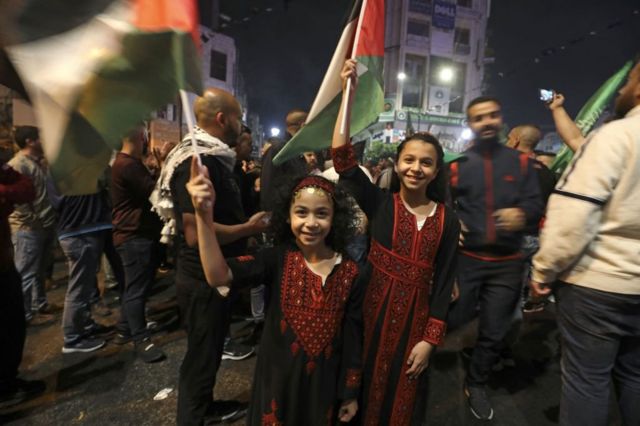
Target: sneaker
83,345
479,402
41,319
122,338
20,391
148,352
224,411
235,351
98,330
50,308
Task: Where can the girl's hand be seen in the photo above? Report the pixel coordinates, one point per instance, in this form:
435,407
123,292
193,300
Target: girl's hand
419,359
203,196
349,71
347,410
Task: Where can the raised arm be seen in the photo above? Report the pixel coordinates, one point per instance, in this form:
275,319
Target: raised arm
349,71
567,129
203,197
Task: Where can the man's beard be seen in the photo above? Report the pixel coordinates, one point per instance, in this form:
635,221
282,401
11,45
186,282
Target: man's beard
494,138
623,105
231,136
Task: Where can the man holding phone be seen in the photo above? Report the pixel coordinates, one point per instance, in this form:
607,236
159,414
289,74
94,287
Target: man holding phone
591,257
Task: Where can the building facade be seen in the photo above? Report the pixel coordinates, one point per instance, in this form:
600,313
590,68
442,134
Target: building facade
434,64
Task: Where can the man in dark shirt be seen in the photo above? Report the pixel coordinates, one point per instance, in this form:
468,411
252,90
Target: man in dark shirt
136,231
204,310
84,223
497,198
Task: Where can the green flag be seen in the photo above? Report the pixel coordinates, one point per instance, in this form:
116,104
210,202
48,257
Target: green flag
590,113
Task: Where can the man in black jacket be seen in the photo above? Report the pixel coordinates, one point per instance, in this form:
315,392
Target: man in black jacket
497,197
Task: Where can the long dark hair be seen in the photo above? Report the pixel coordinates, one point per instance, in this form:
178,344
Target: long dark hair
343,225
437,188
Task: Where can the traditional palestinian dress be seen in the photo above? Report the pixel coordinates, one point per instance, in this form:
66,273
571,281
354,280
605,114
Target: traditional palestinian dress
409,279
311,349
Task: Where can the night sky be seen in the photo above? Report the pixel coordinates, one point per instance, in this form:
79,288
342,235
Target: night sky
284,53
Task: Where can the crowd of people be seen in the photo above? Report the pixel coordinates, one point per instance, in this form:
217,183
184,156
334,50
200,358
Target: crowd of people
354,271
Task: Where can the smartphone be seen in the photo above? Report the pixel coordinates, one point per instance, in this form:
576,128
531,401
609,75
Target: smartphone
546,95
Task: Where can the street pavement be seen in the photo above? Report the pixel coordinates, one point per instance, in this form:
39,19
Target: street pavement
112,387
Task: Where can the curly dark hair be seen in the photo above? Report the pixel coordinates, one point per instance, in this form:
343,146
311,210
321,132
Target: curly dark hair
343,227
437,188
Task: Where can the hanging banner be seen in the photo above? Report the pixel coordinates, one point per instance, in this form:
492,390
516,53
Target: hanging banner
444,15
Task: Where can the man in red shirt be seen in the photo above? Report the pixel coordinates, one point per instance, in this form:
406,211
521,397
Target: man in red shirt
14,189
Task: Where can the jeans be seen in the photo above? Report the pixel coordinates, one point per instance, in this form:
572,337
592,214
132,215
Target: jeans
12,327
83,255
31,250
600,340
139,259
491,290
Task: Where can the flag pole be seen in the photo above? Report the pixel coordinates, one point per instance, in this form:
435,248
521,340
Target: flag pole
356,39
188,115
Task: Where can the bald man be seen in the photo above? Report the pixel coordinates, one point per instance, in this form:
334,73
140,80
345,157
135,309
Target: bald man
525,138
204,311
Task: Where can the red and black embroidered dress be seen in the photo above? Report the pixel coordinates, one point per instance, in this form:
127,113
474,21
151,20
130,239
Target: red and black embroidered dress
409,278
311,349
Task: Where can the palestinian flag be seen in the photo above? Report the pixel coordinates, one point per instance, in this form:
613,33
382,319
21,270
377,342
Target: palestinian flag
364,35
591,112
94,68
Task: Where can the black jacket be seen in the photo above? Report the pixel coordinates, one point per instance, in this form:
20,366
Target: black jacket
492,177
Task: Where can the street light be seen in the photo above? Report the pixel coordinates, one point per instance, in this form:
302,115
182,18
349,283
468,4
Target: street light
275,132
402,76
446,74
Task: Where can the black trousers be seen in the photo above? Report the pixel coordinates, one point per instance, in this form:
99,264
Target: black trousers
206,316
600,341
489,290
13,327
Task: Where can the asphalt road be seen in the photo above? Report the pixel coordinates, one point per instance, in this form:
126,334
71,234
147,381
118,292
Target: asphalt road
112,387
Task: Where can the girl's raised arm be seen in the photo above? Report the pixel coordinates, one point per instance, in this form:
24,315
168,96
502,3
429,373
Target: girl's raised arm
349,71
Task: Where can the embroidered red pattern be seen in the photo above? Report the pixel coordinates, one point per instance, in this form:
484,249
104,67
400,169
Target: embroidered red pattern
434,331
314,312
344,158
401,276
270,419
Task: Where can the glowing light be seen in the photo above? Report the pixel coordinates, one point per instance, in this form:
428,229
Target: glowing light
466,134
446,75
402,76
275,132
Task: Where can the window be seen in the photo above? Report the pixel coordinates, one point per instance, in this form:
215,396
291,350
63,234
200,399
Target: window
461,43
462,36
418,28
465,3
420,6
218,65
413,85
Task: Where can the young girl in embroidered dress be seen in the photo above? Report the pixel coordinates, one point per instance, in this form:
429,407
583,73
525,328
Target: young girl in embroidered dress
309,367
410,272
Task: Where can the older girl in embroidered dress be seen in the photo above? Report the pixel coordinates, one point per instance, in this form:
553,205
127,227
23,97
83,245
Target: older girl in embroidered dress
308,369
409,275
